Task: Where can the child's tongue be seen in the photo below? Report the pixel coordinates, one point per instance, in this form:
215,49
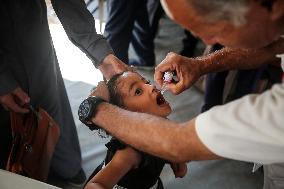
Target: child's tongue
160,99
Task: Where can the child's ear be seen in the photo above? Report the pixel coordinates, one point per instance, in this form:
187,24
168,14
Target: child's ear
277,10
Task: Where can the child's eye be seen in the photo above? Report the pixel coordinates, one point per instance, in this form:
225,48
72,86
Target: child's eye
138,92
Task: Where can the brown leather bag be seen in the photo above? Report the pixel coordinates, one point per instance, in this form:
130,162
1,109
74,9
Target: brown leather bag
35,136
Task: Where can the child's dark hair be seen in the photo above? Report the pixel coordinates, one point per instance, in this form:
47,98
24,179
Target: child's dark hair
115,97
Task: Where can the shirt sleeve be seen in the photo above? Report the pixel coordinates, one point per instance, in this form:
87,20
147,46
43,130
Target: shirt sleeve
79,26
249,129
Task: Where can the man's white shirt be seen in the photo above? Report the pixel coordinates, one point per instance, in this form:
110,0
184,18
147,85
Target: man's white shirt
248,129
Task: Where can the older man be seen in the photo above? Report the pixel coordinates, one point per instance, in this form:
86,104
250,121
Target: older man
235,24
249,129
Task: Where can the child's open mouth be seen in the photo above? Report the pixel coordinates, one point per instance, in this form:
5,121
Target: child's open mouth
160,99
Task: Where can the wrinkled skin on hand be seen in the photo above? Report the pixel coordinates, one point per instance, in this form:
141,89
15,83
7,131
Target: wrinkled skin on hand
111,66
15,100
188,71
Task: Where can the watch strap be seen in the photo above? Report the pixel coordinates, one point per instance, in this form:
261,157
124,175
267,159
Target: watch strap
93,101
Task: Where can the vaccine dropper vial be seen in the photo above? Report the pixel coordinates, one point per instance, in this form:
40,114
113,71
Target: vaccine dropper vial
168,77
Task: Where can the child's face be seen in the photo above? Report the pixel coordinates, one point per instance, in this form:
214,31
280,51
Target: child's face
140,96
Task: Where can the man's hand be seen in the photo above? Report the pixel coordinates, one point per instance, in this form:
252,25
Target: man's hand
15,100
111,65
179,169
101,90
188,71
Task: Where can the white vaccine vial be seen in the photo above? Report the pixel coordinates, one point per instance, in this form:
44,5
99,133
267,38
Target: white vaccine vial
168,77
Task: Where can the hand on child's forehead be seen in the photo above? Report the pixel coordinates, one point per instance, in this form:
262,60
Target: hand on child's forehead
129,78
131,75
132,72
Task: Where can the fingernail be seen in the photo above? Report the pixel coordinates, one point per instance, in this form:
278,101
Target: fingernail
27,100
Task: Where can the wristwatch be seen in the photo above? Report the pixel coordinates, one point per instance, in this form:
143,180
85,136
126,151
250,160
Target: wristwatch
87,109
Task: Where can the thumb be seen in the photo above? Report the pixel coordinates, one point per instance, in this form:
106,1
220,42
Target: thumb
176,88
21,96
164,66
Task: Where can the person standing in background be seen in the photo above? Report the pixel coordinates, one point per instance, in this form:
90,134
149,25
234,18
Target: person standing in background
29,73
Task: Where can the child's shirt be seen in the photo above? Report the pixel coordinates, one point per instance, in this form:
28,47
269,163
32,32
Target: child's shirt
143,177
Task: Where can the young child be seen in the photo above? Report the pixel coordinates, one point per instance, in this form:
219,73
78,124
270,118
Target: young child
125,167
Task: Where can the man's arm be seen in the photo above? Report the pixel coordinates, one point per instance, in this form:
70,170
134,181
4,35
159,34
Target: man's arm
155,135
229,59
248,129
79,26
190,69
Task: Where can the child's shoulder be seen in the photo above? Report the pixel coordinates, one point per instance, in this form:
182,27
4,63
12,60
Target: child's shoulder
115,144
122,154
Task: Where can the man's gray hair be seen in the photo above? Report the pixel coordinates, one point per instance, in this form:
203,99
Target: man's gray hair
233,11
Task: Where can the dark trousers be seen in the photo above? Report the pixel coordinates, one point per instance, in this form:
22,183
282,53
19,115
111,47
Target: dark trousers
246,81
135,22
5,136
32,63
189,44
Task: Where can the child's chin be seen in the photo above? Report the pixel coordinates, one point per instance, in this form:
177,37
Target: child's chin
167,111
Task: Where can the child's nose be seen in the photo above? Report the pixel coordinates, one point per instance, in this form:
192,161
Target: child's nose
152,88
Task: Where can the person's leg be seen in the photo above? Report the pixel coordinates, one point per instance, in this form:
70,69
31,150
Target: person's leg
5,137
6,29
273,176
49,93
189,44
37,65
214,87
143,37
68,145
155,11
119,26
246,82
